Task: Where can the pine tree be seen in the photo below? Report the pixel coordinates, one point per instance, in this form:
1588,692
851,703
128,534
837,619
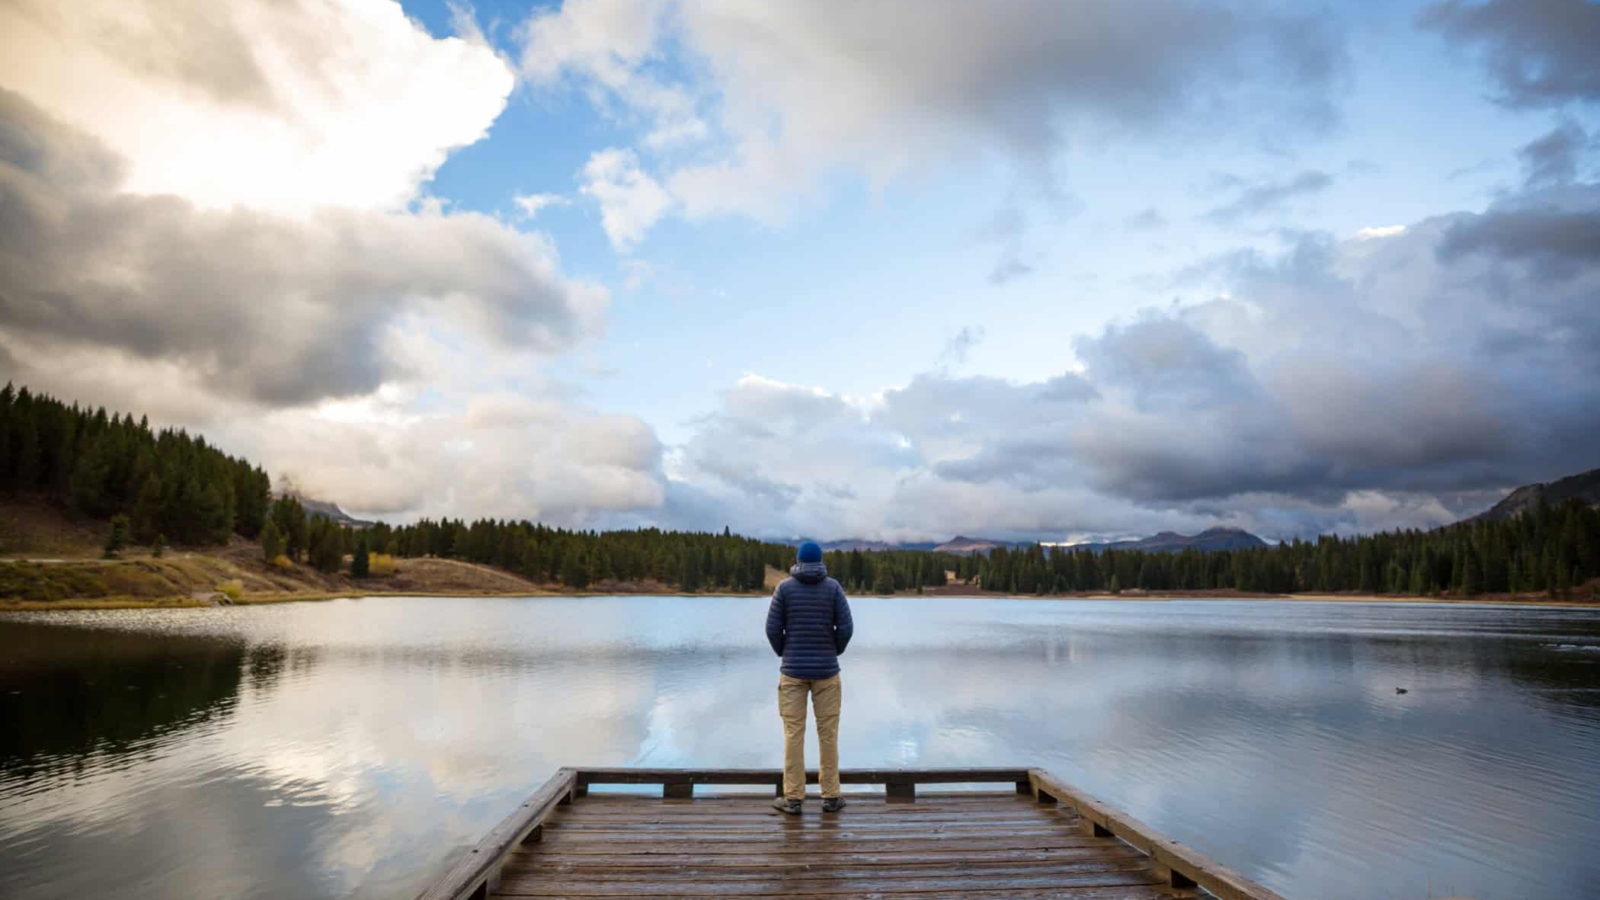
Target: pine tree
293,529
1116,585
119,536
360,562
158,547
271,541
146,519
25,468
883,582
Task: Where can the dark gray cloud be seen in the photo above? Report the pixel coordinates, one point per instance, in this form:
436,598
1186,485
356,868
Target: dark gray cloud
1394,379
1556,235
1539,52
251,305
780,83
1553,159
1269,195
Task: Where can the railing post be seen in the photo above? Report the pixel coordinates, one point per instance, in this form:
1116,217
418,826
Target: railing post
1044,797
1091,828
1172,876
901,791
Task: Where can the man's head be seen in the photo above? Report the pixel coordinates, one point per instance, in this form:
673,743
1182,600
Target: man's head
810,552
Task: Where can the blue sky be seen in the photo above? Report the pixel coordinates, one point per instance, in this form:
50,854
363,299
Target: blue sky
1054,270
888,277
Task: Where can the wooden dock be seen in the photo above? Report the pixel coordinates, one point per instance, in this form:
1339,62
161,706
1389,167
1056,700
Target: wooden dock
1037,838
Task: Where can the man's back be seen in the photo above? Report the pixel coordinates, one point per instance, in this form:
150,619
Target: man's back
809,625
809,622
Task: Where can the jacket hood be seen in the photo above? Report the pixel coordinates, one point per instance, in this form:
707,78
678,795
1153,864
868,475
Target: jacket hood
810,573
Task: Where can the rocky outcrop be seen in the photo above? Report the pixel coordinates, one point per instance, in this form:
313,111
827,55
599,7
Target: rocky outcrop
1584,486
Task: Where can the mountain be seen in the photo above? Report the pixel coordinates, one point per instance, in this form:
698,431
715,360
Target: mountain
1165,542
1207,541
328,510
1584,486
961,545
873,546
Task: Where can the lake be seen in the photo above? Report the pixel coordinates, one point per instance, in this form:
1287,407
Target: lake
352,748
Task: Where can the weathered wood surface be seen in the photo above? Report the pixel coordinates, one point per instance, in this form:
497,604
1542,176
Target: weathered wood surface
1040,839
989,845
477,873
1182,864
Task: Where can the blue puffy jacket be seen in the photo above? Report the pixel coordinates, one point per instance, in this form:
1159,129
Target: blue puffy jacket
809,623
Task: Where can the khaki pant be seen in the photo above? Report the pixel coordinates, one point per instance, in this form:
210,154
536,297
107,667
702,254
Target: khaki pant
825,696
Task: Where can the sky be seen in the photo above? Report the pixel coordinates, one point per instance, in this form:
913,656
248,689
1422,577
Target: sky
896,271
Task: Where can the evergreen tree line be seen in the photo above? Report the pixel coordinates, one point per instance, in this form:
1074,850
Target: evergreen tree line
689,561
1551,548
169,485
289,533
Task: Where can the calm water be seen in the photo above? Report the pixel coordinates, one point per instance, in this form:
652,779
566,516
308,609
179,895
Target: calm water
351,748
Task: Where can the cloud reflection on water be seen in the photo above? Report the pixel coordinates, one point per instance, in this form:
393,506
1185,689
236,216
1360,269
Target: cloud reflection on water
362,743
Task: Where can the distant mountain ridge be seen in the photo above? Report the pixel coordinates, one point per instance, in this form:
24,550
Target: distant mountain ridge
1207,541
328,510
1584,486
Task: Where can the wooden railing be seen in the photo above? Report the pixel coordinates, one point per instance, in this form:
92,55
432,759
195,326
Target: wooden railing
477,874
1182,866
899,784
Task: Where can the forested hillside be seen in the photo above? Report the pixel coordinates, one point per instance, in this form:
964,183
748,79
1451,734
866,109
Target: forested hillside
1550,548
169,484
1584,487
175,487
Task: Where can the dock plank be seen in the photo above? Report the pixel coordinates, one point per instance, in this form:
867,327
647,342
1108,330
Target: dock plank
525,886
948,844
984,845
756,861
1116,892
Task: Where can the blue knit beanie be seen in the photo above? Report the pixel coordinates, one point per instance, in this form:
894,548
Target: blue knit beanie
810,552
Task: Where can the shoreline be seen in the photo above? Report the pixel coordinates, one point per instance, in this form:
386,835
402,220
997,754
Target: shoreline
118,603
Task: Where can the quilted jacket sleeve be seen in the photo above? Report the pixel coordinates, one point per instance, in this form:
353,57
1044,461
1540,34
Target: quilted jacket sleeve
844,626
776,613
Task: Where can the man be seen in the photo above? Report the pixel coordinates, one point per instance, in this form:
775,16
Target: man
809,625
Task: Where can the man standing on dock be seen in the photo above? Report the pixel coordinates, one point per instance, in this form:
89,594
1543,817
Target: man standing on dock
809,625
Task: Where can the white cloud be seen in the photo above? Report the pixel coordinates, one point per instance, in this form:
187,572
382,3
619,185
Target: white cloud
213,215
531,204
1379,231
611,46
779,95
284,106
1354,385
630,200
310,306
500,455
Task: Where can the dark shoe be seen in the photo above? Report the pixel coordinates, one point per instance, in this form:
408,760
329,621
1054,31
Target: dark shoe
832,804
788,807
